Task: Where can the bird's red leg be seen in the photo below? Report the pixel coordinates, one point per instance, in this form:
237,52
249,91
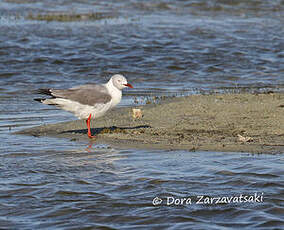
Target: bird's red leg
89,128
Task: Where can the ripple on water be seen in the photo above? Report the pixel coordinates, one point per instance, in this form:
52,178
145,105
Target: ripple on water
117,187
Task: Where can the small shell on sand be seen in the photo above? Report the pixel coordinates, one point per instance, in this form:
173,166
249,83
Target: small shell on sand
137,113
244,139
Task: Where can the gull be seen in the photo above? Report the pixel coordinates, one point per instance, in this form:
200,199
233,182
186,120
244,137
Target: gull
87,101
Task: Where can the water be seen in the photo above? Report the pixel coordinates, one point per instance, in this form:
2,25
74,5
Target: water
163,48
43,189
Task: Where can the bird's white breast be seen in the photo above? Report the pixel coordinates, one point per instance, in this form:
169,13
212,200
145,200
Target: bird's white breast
116,96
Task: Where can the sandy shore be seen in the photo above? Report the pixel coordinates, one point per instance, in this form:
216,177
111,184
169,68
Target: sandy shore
222,122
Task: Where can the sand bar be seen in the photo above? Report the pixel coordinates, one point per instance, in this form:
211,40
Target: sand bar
218,122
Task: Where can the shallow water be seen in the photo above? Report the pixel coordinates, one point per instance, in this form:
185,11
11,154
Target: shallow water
42,188
163,48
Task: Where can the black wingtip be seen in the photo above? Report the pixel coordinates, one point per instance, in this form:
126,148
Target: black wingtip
39,99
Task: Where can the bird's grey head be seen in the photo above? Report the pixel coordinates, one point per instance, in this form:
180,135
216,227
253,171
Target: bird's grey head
120,81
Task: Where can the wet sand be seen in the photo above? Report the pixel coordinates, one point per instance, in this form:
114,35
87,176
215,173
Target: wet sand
216,122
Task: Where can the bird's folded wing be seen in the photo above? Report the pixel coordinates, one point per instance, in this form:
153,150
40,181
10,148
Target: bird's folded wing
86,94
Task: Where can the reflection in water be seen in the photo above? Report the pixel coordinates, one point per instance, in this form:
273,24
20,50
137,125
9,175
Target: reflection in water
95,186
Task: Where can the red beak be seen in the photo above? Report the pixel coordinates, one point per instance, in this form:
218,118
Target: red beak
128,85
